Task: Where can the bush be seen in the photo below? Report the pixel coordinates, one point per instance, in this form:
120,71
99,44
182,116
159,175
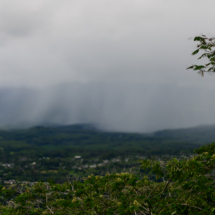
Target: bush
182,186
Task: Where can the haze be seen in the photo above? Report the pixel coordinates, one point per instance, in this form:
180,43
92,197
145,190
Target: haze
120,65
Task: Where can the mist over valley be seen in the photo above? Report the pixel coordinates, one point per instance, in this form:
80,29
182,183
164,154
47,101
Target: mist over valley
113,106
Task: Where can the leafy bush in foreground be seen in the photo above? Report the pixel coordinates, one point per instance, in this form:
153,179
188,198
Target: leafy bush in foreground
183,186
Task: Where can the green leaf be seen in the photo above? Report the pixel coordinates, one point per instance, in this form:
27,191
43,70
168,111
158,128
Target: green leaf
198,67
195,52
205,47
207,64
191,67
201,39
212,59
203,55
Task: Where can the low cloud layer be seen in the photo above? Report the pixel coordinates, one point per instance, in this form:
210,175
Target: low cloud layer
110,106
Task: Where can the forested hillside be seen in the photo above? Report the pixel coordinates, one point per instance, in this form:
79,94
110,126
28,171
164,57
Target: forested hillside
58,152
200,134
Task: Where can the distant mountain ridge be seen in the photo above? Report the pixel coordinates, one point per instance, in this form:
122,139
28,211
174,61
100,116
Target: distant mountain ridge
200,134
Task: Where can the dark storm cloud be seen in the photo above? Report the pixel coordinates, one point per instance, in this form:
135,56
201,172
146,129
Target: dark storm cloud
126,62
46,42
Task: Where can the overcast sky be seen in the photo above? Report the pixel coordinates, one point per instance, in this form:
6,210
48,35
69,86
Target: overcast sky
114,52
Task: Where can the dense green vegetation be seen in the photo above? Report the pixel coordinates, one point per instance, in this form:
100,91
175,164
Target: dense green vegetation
43,153
178,186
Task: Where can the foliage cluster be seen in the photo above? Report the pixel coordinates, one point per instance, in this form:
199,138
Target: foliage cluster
206,44
184,186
